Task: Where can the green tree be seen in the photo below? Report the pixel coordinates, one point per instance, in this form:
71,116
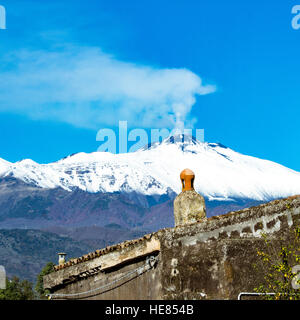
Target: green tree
278,266
39,288
17,290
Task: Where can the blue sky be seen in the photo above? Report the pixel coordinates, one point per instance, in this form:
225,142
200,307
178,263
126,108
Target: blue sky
70,68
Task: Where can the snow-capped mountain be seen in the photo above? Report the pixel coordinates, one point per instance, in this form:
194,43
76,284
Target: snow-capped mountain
221,173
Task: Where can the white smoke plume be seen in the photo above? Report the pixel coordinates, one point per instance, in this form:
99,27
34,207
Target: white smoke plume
87,88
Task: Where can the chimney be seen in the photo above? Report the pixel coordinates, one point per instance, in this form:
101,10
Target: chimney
189,206
61,258
2,278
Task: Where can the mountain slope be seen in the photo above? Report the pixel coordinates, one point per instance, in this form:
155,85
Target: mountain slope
221,173
24,253
27,206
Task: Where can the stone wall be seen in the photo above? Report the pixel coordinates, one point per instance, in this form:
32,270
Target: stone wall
211,259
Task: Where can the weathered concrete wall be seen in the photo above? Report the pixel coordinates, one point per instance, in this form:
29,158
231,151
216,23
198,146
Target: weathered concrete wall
212,259
136,286
110,273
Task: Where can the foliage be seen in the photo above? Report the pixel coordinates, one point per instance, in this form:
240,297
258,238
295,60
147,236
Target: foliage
39,288
278,265
17,290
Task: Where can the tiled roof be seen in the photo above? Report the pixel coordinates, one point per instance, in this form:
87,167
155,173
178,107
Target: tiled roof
101,252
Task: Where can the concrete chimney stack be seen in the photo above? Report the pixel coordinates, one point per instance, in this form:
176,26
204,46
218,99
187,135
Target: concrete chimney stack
61,258
2,278
189,206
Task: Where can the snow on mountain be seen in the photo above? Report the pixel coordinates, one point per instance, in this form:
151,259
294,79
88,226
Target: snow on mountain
221,173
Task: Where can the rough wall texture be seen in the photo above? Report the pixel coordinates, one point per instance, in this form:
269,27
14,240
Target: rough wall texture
189,207
124,270
116,285
212,259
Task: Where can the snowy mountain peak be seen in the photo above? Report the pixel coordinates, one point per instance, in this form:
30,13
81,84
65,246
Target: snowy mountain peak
217,145
221,173
180,140
27,162
185,143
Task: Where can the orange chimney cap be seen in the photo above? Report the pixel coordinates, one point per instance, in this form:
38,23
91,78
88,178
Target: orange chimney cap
187,177
186,172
